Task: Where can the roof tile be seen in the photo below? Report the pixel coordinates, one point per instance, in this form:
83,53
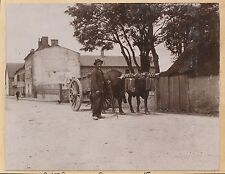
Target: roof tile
88,60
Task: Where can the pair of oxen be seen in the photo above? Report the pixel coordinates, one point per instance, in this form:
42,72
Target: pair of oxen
136,86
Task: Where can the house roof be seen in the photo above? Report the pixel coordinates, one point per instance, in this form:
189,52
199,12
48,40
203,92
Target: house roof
20,69
49,47
119,61
182,65
11,68
28,55
197,60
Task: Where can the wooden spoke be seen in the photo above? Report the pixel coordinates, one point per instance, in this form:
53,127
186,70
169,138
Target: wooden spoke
75,94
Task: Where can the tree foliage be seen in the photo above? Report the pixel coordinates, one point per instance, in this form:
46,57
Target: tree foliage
143,26
131,26
188,22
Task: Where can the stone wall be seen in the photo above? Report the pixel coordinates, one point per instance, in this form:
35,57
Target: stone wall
204,94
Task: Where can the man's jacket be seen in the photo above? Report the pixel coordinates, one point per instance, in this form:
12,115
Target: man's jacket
97,80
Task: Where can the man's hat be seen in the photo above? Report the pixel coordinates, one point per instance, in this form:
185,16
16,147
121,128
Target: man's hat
98,60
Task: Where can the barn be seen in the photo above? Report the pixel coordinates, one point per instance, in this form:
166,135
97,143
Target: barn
191,84
109,62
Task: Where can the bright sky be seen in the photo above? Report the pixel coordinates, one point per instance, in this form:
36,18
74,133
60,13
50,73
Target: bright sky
25,23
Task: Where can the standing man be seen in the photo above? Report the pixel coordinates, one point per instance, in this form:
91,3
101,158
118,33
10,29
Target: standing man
97,87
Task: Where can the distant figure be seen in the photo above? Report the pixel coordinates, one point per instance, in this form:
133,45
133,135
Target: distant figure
17,95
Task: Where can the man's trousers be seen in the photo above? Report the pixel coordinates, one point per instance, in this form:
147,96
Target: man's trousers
97,103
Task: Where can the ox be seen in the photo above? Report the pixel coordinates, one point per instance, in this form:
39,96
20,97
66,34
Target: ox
117,82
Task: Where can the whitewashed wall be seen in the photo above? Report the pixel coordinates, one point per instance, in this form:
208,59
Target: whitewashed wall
55,65
28,76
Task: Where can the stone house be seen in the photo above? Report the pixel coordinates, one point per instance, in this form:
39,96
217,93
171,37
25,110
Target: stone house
10,71
19,81
47,67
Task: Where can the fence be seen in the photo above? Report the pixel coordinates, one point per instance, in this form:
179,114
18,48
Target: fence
182,93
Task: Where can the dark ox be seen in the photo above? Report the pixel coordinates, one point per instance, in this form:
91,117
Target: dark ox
140,91
118,90
115,87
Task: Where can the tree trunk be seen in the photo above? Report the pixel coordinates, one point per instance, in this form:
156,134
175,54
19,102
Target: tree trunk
145,63
128,62
155,59
131,68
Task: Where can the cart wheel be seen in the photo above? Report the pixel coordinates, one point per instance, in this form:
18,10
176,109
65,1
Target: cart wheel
75,94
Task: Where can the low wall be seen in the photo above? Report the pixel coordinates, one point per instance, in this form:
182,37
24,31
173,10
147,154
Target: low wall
49,97
52,92
204,94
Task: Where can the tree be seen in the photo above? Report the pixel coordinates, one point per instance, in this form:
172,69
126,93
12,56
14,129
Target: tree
131,26
187,22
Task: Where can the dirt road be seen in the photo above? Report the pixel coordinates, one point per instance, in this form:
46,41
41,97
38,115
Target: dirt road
47,136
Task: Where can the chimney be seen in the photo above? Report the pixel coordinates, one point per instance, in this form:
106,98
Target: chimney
54,42
44,42
32,51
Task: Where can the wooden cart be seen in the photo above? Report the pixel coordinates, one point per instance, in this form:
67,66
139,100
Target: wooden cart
80,91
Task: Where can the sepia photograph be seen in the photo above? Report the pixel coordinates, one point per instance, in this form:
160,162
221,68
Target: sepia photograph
112,86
